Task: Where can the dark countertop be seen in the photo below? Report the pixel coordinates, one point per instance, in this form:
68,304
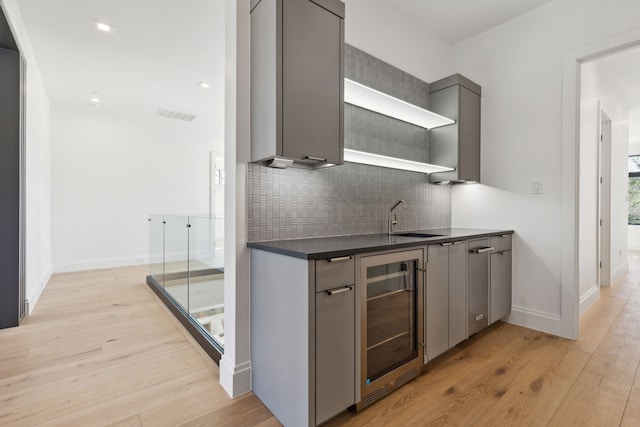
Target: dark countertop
328,247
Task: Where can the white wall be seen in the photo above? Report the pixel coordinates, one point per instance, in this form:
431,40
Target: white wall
619,198
381,30
109,172
38,228
634,132
520,67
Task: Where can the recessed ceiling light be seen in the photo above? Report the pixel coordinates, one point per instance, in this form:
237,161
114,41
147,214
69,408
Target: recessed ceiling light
105,28
94,101
205,85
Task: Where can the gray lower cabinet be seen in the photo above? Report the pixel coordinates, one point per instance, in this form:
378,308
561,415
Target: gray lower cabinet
297,81
335,337
445,297
303,336
457,293
489,281
500,278
478,284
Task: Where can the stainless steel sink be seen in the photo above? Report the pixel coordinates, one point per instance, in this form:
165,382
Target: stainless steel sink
411,234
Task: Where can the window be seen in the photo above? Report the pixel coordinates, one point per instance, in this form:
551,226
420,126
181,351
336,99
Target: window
634,190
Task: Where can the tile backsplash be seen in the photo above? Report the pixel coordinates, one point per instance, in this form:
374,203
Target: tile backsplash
353,198
350,199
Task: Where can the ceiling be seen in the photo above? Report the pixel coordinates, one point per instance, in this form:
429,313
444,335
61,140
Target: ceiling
457,20
162,49
155,59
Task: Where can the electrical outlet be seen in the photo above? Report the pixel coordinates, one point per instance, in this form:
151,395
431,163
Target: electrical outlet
536,187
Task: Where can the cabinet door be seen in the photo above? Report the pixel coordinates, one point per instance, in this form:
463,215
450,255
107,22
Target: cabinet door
478,285
500,293
469,136
457,293
312,102
335,352
437,301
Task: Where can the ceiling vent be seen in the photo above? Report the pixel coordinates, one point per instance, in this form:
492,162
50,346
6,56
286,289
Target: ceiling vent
176,115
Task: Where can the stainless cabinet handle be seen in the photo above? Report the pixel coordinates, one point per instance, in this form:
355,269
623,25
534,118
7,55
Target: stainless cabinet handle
481,250
340,258
446,244
315,159
339,290
458,242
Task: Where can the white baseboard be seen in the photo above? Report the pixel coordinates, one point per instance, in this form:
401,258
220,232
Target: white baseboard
96,264
33,298
236,380
542,321
619,272
589,298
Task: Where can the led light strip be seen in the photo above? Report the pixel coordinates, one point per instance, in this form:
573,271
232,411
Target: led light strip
391,162
371,99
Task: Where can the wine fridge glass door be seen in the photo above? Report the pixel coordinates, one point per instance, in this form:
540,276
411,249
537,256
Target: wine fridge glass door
392,316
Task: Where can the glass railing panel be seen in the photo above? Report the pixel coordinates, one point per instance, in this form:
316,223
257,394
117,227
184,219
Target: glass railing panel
176,258
205,246
186,258
206,275
156,248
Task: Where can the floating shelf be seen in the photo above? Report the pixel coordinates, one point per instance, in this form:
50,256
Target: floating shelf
371,99
391,162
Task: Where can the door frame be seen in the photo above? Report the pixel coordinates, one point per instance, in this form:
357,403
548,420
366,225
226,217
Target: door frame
570,322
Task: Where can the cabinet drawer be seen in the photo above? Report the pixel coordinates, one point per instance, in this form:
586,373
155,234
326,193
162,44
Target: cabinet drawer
501,243
334,272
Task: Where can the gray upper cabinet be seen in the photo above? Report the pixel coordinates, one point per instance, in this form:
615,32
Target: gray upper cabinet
458,145
297,81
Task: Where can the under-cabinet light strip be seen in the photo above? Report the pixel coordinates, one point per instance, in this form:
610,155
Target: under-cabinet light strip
391,162
371,99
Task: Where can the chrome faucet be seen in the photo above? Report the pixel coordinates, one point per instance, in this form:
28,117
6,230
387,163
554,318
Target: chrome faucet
392,217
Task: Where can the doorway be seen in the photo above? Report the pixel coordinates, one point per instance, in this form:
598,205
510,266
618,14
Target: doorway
606,101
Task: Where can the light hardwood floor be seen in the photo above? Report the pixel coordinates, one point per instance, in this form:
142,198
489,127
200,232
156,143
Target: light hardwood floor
100,349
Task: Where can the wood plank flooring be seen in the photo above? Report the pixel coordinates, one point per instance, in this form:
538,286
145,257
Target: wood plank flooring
100,349
513,376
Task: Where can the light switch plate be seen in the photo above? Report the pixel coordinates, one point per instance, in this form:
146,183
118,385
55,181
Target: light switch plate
536,187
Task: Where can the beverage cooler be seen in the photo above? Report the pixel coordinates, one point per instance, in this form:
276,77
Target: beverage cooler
391,329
